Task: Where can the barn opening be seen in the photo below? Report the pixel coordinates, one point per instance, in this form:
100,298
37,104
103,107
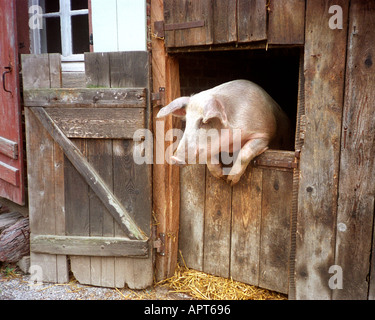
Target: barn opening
242,231
275,70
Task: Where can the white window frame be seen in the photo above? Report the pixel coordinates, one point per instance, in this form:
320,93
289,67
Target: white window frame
39,38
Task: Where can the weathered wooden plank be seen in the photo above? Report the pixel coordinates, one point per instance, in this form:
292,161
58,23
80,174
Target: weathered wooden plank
224,21
182,11
61,260
129,69
89,246
286,22
165,73
276,159
90,176
99,155
132,186
86,97
252,20
97,69
77,210
317,196
355,216
217,226
99,122
275,230
9,174
9,148
55,70
246,222
35,71
191,233
40,169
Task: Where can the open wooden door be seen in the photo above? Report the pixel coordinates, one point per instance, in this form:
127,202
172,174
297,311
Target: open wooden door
90,203
11,150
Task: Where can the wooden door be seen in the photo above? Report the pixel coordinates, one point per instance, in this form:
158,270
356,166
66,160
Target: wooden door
89,202
11,146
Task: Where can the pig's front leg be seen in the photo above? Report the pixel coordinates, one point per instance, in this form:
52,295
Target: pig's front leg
249,151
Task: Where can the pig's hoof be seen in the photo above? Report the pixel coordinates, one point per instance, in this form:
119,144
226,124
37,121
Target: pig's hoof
233,179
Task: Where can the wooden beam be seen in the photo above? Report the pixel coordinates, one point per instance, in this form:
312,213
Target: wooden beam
99,123
89,246
90,176
166,184
86,97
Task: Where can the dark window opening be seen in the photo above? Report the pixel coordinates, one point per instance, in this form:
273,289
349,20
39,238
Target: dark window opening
80,34
52,6
79,4
53,34
275,70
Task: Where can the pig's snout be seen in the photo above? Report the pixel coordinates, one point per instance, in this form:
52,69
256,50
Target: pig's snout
177,161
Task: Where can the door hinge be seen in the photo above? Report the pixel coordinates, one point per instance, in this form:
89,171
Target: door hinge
158,98
160,27
159,243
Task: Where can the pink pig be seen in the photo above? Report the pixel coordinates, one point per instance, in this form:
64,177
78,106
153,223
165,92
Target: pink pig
246,119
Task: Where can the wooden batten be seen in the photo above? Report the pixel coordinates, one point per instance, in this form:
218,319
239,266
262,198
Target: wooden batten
89,246
86,97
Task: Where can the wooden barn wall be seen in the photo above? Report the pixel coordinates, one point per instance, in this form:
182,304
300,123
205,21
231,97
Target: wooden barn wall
335,220
336,194
355,216
226,21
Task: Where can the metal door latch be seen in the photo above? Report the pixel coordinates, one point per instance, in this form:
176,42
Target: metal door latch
8,70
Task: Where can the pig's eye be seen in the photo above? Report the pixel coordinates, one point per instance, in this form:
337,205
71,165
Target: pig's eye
200,123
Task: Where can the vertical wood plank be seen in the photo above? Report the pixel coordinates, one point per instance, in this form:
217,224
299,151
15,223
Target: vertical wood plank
355,217
45,168
101,221
319,165
246,222
224,21
252,20
166,193
77,206
275,230
132,186
40,148
35,71
217,226
286,22
186,11
100,154
191,231
97,70
129,69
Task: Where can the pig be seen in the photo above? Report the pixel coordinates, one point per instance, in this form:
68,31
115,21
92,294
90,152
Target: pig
251,119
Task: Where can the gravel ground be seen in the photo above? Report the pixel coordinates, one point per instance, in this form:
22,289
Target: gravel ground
14,285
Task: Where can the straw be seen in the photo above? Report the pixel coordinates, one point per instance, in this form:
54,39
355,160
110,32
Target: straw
203,286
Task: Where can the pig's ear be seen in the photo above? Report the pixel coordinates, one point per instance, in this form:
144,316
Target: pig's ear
176,107
215,109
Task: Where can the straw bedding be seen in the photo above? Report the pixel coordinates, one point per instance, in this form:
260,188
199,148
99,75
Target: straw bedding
203,286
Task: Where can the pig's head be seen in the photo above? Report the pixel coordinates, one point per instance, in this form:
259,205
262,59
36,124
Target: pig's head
201,113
